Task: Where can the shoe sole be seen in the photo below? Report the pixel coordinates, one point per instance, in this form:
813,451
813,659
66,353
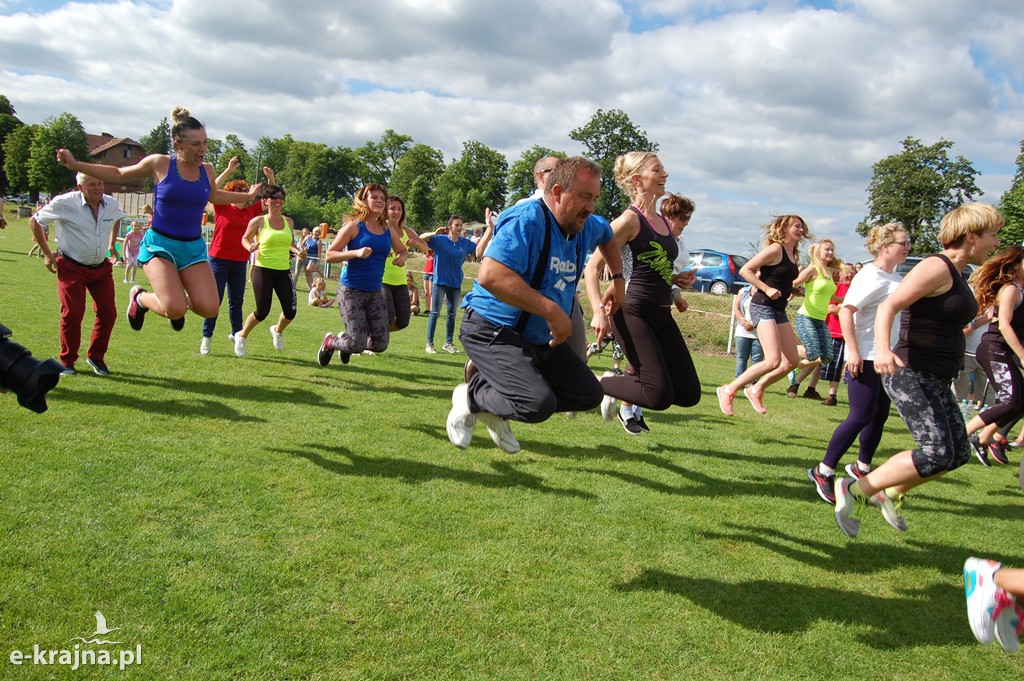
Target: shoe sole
320,355
817,487
758,406
625,427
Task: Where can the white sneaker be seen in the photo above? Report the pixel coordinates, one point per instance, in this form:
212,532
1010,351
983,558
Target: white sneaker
450,348
500,432
460,420
980,590
277,338
204,346
239,346
430,349
231,337
1009,621
608,403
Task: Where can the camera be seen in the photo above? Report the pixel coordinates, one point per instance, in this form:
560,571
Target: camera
24,375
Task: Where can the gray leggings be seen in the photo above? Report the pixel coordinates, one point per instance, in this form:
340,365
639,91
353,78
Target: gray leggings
929,408
366,321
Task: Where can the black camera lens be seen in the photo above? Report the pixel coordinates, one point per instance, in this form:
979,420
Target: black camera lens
24,375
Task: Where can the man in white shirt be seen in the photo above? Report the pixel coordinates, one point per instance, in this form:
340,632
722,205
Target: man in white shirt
87,226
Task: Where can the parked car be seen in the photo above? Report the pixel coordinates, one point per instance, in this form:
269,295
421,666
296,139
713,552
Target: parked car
23,199
717,272
912,260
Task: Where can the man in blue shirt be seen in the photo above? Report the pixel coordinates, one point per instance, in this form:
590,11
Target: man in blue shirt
517,314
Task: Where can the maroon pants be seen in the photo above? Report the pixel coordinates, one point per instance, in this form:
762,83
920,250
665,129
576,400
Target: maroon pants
73,280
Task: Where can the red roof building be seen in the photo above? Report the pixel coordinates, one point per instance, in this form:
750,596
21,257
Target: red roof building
116,151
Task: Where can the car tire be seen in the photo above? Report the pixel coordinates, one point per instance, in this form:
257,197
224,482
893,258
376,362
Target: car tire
719,288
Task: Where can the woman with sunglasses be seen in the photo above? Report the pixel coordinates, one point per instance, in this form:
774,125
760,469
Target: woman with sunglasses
173,253
271,237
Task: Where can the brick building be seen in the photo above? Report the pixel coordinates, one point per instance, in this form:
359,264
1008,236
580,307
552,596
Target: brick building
116,151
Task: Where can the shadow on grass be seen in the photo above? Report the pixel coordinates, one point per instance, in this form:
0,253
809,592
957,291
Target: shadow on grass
765,606
208,409
410,471
241,390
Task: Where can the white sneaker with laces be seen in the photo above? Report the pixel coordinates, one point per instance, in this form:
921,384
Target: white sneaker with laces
980,589
450,348
460,419
430,349
608,403
240,345
500,431
204,346
277,338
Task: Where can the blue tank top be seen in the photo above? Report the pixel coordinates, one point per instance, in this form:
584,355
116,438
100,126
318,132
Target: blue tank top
366,274
178,204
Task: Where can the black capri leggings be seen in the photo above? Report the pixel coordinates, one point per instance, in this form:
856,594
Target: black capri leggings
396,299
265,283
1004,375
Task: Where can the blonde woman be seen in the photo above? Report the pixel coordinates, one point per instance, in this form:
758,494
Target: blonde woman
819,282
771,273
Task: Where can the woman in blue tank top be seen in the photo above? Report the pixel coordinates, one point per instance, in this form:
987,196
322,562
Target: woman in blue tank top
173,253
364,242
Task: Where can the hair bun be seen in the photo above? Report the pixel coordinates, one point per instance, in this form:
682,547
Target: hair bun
180,113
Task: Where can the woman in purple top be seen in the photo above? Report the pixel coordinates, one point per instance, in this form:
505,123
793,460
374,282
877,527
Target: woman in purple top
173,253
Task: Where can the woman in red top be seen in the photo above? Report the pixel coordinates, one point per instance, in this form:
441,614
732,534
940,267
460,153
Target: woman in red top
228,256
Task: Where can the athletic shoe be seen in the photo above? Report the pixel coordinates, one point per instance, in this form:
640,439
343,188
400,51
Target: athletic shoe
793,390
69,370
430,349
345,356
980,451
892,509
460,420
135,312
240,345
98,367
323,356
618,372
231,337
500,432
607,402
849,508
854,471
812,394
724,400
998,451
825,484
1009,621
450,348
640,422
630,425
469,370
980,589
125,281
1016,443
755,401
830,401
204,346
276,338
178,324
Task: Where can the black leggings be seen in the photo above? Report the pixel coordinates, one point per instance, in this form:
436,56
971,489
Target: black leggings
265,283
1004,376
665,374
396,299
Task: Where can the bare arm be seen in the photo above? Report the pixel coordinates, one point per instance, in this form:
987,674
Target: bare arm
223,177
249,238
401,254
112,246
154,166
219,197
413,238
770,255
485,239
337,252
506,285
854,361
806,274
929,278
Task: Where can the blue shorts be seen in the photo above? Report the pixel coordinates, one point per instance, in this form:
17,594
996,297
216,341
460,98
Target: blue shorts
759,313
182,253
428,276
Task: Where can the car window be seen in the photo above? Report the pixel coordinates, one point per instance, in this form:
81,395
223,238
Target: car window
739,260
711,260
694,259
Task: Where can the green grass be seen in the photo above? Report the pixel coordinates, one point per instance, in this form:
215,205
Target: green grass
266,518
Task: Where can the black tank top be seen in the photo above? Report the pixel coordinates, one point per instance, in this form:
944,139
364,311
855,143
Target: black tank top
779,276
992,333
653,254
931,329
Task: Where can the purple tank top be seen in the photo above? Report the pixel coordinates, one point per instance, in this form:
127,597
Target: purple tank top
178,204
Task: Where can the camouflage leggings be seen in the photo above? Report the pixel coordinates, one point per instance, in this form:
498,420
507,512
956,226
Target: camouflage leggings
928,407
366,321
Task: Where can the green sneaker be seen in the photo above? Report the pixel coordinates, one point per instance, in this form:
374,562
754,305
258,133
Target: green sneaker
892,509
849,508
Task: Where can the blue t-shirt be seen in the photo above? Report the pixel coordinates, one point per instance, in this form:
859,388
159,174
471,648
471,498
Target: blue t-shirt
449,257
365,274
517,242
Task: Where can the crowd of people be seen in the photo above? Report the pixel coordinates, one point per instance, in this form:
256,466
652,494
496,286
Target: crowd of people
896,341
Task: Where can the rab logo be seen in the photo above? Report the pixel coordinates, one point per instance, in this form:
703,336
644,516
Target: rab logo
562,266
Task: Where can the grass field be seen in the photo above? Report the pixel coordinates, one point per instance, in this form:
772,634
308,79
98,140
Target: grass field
266,518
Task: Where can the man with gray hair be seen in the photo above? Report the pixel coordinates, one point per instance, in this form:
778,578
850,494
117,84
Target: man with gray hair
87,225
517,315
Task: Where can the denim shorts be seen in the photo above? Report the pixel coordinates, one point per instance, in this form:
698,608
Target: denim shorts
182,253
428,276
759,313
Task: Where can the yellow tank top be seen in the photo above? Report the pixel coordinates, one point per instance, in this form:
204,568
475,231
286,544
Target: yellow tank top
275,245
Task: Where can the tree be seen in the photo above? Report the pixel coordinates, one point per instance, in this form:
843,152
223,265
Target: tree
1011,205
379,159
8,124
472,183
44,173
520,176
610,134
414,178
158,141
316,170
916,187
17,152
272,152
6,107
233,146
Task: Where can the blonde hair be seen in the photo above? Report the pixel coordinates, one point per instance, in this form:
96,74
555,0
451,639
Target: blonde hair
881,236
970,218
775,232
361,210
823,268
181,122
628,165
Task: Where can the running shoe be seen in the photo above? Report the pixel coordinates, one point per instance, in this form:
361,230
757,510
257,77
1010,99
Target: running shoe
980,589
849,507
98,367
793,390
430,349
997,449
640,422
812,394
135,312
724,400
500,432
240,341
326,351
755,401
892,509
830,401
450,348
630,425
204,346
1009,621
69,370
276,338
608,402
825,484
980,451
178,324
460,419
854,471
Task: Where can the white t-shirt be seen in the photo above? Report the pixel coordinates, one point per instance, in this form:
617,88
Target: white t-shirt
741,331
867,291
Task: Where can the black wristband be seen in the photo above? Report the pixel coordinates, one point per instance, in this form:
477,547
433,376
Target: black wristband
616,276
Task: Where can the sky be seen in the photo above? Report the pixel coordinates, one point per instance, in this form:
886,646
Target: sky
759,108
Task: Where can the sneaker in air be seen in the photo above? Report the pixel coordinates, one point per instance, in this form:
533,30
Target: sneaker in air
980,589
276,338
240,345
825,484
849,508
892,509
500,432
326,351
204,346
1009,621
460,419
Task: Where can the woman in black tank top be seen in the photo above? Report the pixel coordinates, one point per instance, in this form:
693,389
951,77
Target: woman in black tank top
936,304
771,272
